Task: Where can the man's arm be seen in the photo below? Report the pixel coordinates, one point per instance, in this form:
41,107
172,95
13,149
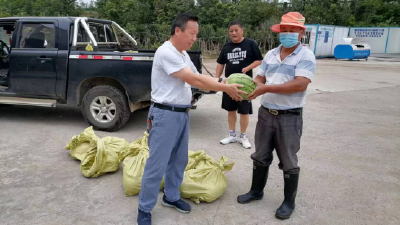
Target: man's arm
260,79
206,82
251,66
257,57
298,84
303,75
220,69
221,62
262,72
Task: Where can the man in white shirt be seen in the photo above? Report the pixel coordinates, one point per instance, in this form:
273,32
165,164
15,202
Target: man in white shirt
172,75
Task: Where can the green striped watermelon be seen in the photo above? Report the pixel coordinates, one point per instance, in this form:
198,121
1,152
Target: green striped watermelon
242,79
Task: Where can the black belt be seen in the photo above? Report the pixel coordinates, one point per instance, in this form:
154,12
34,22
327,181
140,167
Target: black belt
170,108
296,111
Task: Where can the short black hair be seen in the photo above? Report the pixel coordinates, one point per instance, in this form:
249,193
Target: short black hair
236,22
181,21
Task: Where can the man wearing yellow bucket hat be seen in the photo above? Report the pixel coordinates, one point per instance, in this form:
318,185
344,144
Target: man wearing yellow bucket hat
282,81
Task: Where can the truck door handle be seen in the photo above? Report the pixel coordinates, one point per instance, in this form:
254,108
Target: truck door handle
43,59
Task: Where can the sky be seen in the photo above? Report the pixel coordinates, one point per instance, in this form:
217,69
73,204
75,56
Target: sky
85,1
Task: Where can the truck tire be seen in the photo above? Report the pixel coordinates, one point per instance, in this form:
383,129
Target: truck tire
105,108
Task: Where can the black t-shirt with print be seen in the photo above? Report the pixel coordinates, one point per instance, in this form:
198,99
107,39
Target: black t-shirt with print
237,56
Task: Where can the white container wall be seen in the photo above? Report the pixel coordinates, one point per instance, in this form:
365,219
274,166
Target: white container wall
310,37
324,41
376,37
324,38
338,35
393,44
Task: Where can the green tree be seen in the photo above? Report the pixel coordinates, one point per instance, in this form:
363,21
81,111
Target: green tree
149,20
39,8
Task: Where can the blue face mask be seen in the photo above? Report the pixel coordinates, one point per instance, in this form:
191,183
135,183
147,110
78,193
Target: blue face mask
289,40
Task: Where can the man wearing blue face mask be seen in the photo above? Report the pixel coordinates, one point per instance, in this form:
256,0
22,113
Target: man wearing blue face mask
282,81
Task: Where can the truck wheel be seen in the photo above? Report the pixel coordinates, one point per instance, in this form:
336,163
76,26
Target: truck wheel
105,108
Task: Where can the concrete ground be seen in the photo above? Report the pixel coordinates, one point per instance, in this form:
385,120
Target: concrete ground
387,57
349,159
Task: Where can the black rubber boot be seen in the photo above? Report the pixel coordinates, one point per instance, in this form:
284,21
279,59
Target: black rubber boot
288,205
260,176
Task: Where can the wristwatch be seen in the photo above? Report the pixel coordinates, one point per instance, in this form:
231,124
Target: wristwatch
220,79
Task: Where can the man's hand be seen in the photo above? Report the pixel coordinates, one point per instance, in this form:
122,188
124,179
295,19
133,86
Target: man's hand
260,90
233,91
245,70
209,83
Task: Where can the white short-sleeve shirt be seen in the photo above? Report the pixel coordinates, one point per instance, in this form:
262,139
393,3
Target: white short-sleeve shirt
165,87
300,63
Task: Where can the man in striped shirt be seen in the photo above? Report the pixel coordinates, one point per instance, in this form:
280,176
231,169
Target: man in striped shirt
282,81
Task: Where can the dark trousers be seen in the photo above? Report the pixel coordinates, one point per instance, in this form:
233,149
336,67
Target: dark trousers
279,132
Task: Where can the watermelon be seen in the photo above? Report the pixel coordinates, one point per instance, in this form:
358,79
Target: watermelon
242,79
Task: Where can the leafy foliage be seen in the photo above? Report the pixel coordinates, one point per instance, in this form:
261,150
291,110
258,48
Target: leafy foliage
149,20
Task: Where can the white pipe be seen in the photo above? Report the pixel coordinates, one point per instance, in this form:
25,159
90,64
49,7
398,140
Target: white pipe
75,37
83,22
105,32
114,30
123,31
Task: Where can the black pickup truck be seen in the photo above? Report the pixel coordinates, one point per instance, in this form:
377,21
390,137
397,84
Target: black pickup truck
91,63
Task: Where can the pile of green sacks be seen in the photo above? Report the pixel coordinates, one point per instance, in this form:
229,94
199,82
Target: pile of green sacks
203,178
